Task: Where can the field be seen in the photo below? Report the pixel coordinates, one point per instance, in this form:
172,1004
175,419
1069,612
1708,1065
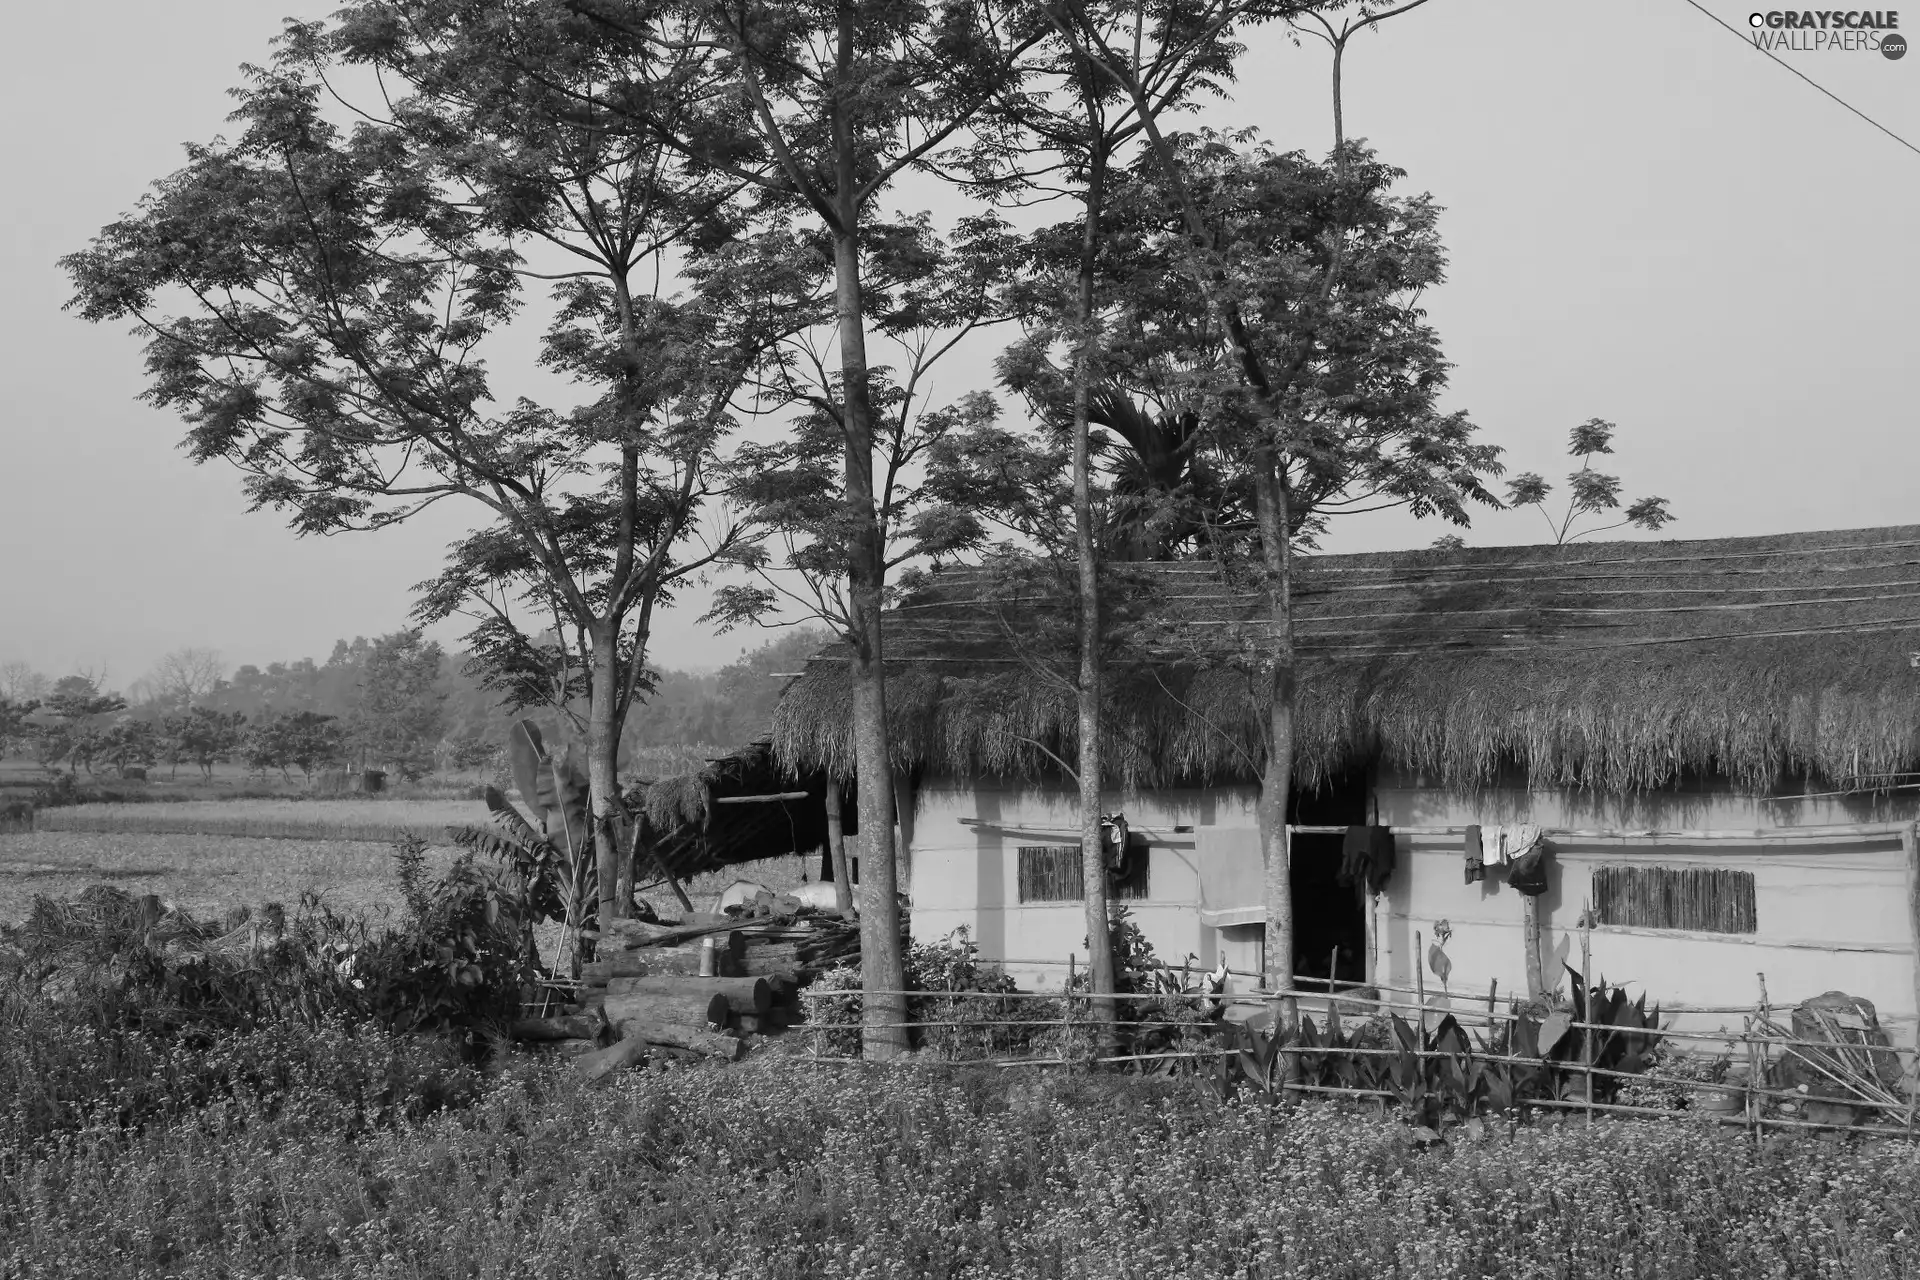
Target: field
202,874
352,819
206,856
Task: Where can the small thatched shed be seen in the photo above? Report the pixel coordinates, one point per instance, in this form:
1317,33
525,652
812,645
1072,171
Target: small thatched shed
1746,705
739,808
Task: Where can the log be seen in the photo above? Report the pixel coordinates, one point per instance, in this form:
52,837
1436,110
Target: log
629,1052
637,933
596,972
577,1027
564,1048
652,1007
714,1044
743,995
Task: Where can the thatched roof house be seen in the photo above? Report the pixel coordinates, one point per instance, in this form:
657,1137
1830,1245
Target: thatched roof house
1748,708
1616,666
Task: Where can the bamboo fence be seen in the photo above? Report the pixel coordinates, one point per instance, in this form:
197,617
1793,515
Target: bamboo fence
1852,1073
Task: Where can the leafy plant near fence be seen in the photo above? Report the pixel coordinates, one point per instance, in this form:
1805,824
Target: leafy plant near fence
1450,1076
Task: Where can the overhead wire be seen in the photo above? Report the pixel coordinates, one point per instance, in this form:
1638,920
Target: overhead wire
1810,80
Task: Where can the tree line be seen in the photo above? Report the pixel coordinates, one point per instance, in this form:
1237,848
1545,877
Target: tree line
1216,350
395,702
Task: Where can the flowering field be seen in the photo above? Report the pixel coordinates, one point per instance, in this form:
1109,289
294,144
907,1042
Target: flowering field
781,1168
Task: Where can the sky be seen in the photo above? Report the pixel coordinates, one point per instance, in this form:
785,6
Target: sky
1648,221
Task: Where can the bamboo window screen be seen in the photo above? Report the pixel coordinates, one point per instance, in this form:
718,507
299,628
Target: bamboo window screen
1702,899
1051,873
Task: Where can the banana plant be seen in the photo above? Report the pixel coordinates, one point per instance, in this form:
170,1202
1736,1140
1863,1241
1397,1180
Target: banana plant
556,860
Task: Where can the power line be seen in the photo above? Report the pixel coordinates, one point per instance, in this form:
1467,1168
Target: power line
1815,83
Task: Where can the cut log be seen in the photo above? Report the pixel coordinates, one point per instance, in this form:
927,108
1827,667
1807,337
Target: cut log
629,1052
652,1007
578,1027
787,971
621,965
743,995
564,1048
637,933
714,1044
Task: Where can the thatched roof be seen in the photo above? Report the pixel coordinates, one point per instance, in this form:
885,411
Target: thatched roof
1612,666
695,829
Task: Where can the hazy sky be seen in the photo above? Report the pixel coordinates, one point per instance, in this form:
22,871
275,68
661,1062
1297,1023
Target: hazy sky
1648,222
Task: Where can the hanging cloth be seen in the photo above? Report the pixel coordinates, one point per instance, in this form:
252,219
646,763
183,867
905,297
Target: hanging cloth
1366,857
1380,863
1476,856
1516,838
1528,874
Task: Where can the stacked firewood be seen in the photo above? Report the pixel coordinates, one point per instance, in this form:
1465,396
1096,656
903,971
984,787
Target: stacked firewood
697,989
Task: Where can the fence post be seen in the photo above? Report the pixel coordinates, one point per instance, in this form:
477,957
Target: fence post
1910,844
1066,1025
1586,976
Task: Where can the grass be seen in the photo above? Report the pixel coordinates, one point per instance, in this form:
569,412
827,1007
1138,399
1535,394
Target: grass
778,1168
355,819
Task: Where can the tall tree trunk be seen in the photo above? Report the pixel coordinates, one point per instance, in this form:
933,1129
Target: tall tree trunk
603,745
1276,780
1093,855
881,966
837,850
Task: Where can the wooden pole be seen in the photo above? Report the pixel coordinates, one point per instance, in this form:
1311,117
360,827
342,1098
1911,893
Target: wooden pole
1910,844
837,851
1530,938
1586,978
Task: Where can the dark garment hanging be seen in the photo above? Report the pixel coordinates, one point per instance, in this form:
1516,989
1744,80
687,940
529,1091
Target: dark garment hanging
1528,873
1476,857
1366,855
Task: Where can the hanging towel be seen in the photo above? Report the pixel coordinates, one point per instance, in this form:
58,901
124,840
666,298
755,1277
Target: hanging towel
1476,856
1366,857
1515,839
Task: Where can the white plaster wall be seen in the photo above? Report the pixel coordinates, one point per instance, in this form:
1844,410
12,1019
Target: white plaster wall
1830,916
966,875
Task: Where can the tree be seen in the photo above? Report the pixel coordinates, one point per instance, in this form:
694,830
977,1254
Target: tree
402,712
69,725
19,682
14,728
819,106
203,736
305,739
338,286
186,676
126,744
1086,122
1589,493
1287,300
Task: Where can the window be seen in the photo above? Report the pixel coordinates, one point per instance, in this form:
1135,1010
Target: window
1051,873
1704,899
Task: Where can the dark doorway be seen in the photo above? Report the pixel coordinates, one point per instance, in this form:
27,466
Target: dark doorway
1329,918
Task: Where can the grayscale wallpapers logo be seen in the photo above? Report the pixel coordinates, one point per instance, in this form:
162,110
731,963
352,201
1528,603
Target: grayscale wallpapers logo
1829,31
